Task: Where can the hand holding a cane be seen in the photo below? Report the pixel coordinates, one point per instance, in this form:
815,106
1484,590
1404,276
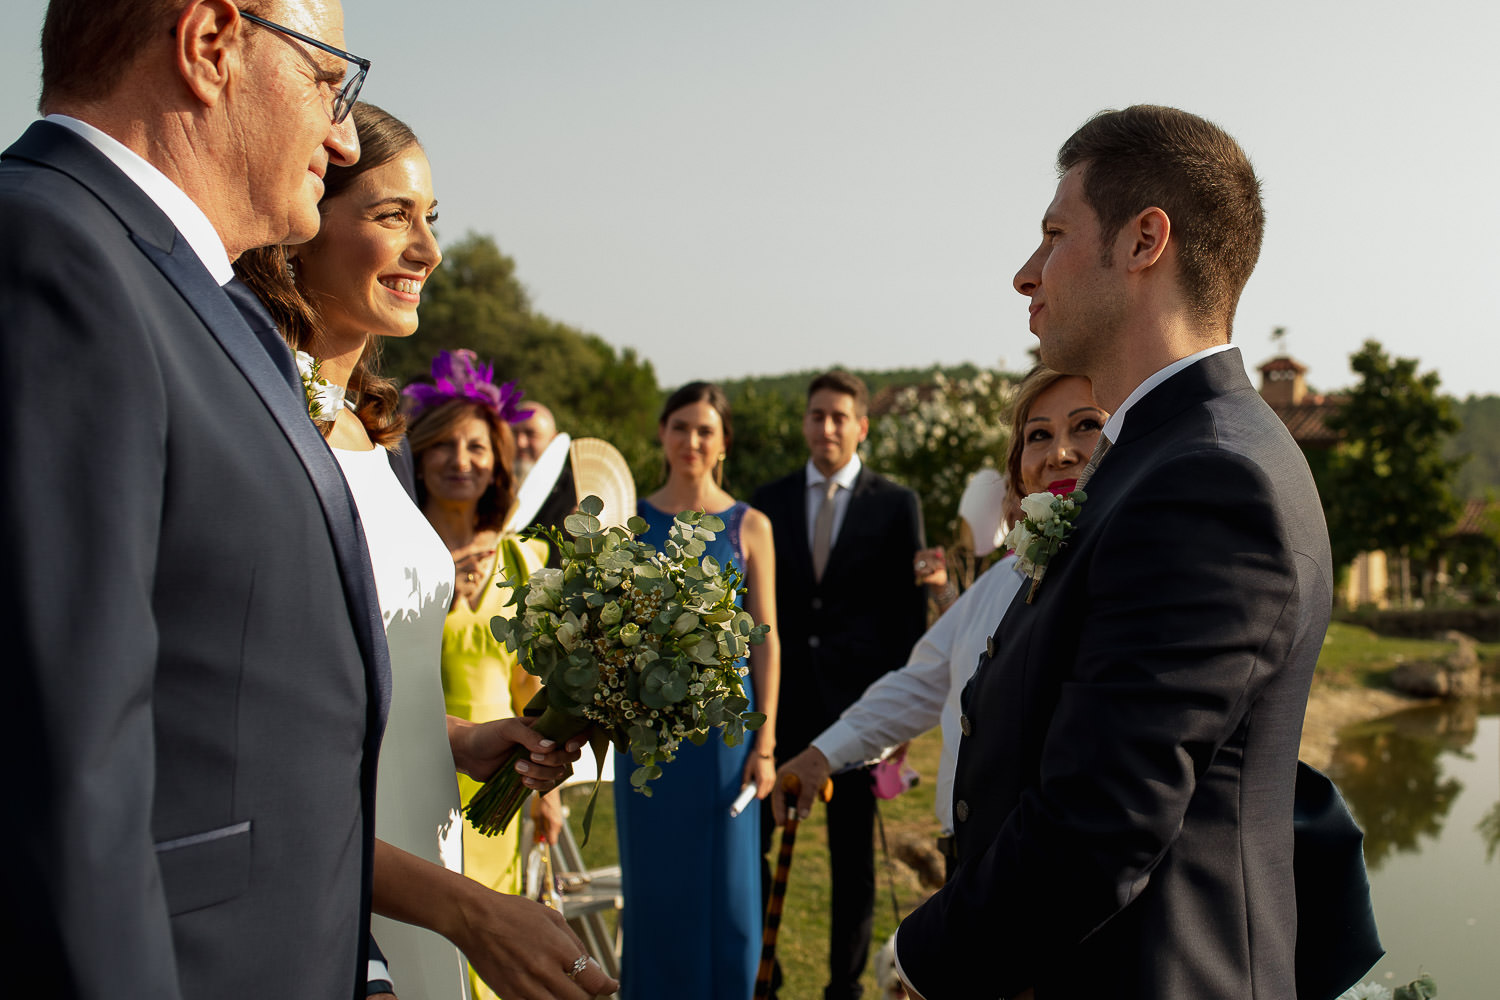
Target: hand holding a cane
805,776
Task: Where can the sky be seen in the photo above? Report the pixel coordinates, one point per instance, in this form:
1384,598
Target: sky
744,188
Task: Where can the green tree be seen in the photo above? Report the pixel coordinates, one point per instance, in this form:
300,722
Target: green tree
1388,486
476,300
1477,441
768,440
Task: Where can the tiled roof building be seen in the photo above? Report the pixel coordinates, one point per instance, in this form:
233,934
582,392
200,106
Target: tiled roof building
1283,384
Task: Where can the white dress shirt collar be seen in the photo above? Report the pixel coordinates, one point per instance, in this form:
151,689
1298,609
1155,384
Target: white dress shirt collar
1116,420
845,477
171,199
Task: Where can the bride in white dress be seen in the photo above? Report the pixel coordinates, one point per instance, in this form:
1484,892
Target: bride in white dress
362,276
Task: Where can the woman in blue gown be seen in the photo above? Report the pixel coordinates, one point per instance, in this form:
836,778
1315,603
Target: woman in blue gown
691,872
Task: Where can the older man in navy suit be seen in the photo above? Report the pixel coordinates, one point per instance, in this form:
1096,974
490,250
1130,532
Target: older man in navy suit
1124,794
198,677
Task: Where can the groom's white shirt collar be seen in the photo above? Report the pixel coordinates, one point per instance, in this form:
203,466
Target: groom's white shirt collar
1116,421
171,199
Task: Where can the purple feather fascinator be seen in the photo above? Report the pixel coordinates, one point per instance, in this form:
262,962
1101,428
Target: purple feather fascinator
459,375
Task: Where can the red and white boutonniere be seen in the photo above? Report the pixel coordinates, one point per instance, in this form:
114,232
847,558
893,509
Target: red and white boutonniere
1042,531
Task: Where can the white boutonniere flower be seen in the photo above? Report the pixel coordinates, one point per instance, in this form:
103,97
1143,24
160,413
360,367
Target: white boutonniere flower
1046,523
324,399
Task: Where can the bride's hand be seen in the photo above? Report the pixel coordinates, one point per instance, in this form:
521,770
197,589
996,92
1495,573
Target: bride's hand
524,950
478,749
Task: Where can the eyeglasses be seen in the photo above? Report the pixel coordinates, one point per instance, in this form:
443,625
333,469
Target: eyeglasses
343,101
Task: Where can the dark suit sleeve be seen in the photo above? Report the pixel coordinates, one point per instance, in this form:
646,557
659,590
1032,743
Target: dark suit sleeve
82,417
1189,608
912,617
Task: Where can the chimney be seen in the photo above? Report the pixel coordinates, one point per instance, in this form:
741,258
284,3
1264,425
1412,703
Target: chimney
1283,382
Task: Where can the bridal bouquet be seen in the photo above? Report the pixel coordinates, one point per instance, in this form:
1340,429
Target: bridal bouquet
643,645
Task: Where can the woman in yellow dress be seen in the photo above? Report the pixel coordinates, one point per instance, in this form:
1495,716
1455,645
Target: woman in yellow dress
464,453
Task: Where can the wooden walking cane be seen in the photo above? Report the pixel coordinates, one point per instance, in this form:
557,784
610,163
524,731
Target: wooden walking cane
791,786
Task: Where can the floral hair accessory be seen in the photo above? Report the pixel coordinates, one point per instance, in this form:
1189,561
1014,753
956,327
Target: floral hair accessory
459,375
324,399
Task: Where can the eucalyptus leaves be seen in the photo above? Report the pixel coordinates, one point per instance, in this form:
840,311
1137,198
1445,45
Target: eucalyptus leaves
1046,523
645,645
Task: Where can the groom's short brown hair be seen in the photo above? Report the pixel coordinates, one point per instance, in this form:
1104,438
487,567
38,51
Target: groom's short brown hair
1154,157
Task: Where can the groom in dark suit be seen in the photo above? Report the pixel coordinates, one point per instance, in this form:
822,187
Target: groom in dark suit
848,610
1124,794
198,674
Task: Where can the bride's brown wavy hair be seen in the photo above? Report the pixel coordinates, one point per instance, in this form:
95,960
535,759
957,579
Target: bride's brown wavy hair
268,272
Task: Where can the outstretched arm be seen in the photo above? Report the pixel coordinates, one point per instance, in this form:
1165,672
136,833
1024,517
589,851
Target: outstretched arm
519,947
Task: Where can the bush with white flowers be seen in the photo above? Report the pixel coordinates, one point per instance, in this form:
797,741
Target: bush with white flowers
938,435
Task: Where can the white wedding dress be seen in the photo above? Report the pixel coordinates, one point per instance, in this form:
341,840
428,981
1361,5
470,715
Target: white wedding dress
416,801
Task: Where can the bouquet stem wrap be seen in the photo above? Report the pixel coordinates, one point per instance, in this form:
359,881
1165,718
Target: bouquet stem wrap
499,799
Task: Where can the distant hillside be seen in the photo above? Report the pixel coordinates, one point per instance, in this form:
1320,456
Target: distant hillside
1479,438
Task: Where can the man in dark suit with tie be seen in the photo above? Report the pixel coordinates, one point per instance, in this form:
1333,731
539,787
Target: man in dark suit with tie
848,610
198,676
1124,793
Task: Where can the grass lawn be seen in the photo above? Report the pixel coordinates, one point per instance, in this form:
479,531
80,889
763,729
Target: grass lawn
802,944
1352,656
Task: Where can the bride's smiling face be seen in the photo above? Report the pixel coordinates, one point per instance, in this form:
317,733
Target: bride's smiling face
376,248
1060,433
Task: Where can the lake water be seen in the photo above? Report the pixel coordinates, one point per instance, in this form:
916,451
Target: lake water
1425,787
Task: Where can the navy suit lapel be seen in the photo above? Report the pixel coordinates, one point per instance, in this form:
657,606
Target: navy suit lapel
264,327
841,544
184,270
796,496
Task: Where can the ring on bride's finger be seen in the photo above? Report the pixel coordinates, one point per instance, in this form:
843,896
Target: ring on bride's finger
579,964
